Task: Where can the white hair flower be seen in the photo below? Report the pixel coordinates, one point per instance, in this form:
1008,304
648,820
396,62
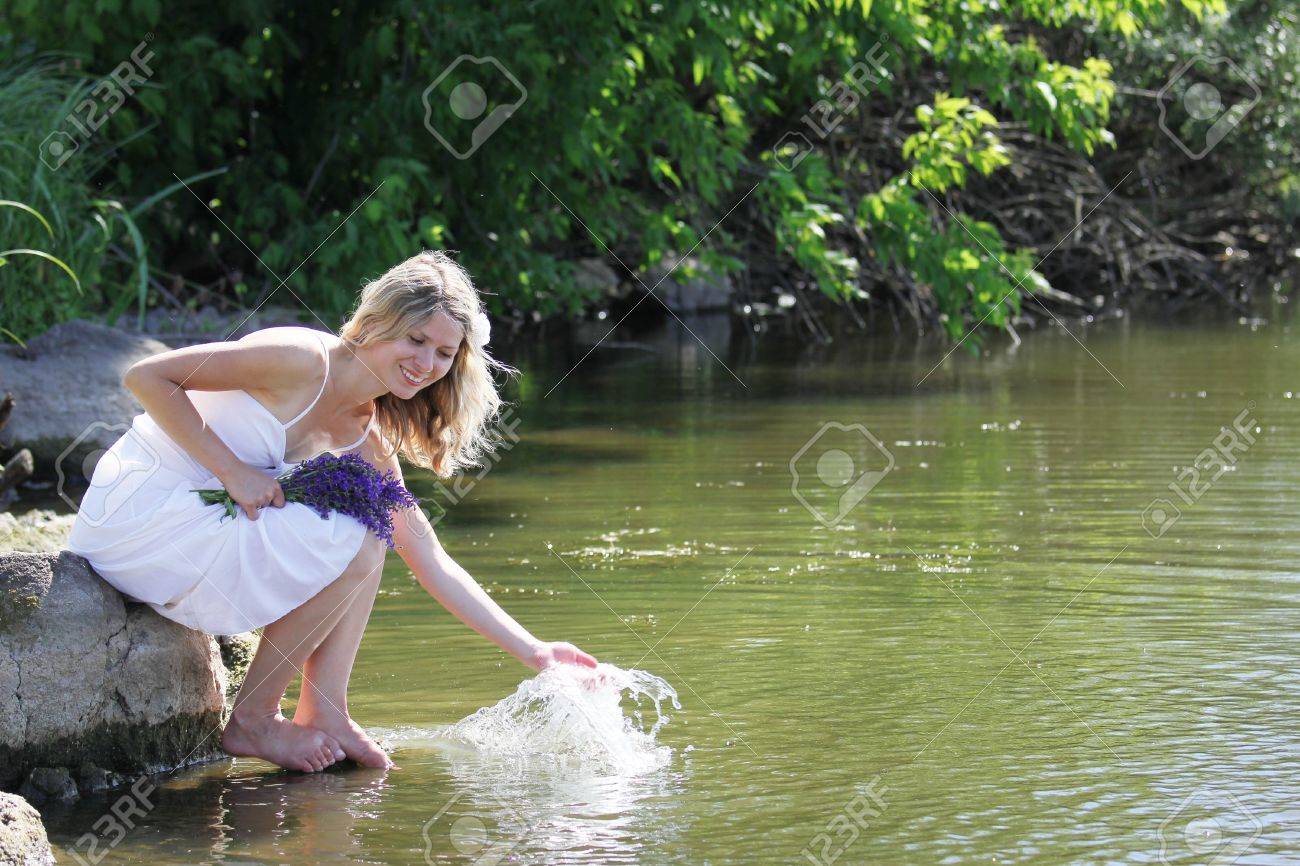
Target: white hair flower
480,331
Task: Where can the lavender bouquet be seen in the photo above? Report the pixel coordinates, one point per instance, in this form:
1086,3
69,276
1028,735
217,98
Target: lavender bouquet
346,484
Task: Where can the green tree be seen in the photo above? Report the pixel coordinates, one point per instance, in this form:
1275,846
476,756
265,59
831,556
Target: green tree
647,129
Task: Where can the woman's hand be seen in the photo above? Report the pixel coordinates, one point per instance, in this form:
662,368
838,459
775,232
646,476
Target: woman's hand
546,655
252,488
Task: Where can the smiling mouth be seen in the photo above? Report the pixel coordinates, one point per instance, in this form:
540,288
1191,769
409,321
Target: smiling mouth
411,377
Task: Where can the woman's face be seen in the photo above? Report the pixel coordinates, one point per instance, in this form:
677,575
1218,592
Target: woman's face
421,356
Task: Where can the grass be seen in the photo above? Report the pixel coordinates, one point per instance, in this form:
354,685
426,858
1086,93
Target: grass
69,251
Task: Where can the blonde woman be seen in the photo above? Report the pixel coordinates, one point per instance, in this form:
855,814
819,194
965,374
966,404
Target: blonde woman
409,374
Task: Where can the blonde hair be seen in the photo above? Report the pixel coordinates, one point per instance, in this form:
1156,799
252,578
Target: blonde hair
449,425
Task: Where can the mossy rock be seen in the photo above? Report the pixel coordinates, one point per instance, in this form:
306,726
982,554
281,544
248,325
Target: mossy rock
88,677
237,651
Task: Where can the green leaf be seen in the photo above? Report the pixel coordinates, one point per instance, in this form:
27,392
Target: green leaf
42,255
1048,95
30,210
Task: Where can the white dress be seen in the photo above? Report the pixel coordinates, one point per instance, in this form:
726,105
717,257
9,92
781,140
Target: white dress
144,531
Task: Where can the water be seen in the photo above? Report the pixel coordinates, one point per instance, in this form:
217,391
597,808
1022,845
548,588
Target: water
574,716
988,657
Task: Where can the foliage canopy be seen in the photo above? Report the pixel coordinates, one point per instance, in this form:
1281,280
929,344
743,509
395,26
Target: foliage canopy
647,129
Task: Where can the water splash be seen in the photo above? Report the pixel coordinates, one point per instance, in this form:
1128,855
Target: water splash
575,716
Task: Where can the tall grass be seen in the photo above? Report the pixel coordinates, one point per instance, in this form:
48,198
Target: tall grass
66,250
50,210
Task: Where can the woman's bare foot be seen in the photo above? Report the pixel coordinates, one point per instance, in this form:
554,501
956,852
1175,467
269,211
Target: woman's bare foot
280,741
352,737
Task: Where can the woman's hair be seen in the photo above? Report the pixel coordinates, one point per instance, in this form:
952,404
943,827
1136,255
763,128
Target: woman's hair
448,425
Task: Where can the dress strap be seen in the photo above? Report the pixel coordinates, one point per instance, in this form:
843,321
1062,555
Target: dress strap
304,412
364,434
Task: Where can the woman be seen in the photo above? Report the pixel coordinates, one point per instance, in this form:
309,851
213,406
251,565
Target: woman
410,372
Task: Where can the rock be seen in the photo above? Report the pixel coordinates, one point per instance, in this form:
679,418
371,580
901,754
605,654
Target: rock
49,784
237,651
37,530
595,277
22,835
207,324
16,470
87,677
689,294
68,394
92,779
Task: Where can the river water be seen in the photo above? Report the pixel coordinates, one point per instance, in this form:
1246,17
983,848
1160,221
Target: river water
1034,606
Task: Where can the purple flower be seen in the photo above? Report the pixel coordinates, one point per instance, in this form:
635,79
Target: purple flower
347,484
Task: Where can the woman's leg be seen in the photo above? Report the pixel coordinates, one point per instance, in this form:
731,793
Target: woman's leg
256,727
323,702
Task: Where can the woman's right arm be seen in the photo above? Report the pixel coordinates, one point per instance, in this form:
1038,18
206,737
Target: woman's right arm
261,361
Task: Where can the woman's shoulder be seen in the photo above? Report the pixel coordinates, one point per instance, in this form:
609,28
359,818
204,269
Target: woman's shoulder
288,356
297,335
297,344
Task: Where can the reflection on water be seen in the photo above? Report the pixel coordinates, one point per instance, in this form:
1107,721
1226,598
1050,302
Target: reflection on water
499,808
453,804
1002,639
232,812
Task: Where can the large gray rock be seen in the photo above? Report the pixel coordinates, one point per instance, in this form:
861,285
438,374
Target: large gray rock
22,835
689,294
595,277
68,393
185,327
88,677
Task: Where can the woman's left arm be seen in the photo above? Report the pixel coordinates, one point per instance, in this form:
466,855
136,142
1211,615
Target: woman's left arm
453,587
